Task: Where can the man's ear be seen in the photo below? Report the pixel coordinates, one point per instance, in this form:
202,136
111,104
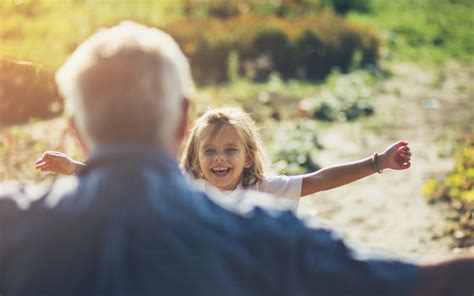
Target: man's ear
72,124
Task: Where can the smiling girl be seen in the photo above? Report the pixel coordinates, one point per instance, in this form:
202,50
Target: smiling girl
224,150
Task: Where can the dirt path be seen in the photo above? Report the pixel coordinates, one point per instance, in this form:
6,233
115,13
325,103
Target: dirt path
388,211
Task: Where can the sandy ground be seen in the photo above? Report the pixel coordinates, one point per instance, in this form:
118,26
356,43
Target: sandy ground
387,211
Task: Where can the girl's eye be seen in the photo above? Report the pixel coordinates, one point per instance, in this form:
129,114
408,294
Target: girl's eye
209,151
231,150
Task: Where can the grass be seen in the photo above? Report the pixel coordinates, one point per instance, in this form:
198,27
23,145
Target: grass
424,30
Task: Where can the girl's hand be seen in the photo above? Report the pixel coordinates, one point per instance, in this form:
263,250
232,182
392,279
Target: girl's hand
396,156
56,162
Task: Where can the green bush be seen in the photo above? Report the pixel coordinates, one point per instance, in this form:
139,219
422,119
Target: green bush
294,146
343,98
307,47
344,6
459,184
26,91
227,9
282,8
458,189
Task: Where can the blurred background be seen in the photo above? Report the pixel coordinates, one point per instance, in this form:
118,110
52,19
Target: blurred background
327,81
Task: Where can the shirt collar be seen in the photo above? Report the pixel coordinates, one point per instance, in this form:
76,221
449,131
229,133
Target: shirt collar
127,153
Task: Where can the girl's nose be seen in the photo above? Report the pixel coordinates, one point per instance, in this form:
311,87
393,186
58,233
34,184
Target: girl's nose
219,157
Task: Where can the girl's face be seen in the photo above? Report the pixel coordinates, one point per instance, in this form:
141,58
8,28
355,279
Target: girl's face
222,157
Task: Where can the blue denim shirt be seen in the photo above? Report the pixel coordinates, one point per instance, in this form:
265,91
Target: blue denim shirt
130,225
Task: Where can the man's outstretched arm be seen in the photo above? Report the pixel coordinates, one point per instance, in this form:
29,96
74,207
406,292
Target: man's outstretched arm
449,277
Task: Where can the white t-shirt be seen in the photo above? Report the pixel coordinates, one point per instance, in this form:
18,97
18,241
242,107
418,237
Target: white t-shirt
284,187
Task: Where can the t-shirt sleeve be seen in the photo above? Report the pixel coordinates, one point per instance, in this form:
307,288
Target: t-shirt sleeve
288,187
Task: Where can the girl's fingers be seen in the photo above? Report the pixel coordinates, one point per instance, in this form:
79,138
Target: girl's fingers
39,165
403,156
49,161
51,155
405,150
45,158
42,162
45,169
402,143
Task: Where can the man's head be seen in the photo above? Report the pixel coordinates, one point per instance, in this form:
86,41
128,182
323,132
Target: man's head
128,84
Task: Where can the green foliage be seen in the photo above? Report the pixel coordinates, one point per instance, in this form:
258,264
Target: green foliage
26,91
431,189
425,30
344,97
233,66
274,98
458,189
345,6
294,146
459,184
228,9
307,47
45,32
282,8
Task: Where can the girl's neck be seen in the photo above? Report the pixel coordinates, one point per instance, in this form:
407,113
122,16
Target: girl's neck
225,191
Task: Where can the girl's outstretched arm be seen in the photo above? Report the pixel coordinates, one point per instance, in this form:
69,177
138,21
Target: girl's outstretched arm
396,156
57,162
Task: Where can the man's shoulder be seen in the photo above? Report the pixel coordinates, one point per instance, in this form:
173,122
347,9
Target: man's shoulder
22,194
244,201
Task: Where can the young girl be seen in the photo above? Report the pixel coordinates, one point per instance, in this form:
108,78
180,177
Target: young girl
224,149
224,152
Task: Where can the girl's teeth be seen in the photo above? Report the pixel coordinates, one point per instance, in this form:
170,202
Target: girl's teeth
220,171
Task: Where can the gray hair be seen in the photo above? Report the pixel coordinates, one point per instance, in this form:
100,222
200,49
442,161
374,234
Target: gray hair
126,84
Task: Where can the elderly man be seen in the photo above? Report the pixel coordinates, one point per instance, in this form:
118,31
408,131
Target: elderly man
129,225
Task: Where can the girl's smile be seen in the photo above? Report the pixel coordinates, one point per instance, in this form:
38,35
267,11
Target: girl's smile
221,172
222,157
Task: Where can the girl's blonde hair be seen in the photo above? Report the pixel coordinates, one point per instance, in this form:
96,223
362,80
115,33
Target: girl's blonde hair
247,130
